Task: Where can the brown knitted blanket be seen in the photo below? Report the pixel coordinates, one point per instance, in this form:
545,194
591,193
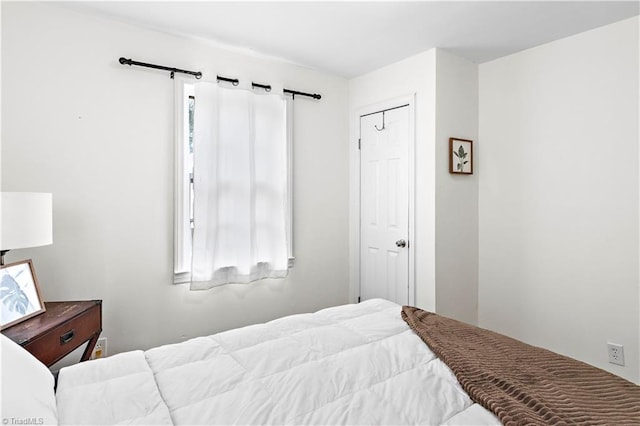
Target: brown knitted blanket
524,384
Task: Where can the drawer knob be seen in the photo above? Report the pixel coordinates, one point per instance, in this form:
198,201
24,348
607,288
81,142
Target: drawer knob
67,337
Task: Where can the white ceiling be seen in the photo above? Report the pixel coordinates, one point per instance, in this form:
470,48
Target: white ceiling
352,38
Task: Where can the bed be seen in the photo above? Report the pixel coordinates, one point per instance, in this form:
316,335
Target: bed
363,363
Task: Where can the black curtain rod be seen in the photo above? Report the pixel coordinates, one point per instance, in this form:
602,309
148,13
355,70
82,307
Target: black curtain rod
295,92
125,61
198,75
233,81
267,87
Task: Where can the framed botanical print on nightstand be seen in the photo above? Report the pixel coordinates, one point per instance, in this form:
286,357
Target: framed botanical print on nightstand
19,293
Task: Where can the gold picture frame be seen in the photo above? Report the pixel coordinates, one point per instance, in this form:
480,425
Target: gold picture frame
20,296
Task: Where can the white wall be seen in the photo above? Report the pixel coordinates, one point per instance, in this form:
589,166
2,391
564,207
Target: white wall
98,135
456,195
559,185
414,75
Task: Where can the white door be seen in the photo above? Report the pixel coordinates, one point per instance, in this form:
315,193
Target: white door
384,205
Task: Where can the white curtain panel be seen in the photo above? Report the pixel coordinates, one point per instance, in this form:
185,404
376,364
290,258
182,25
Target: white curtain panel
240,187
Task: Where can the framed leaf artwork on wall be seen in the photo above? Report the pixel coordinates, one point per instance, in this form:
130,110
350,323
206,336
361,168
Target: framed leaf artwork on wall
460,156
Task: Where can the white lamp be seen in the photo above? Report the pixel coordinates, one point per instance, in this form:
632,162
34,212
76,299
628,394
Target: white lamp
26,220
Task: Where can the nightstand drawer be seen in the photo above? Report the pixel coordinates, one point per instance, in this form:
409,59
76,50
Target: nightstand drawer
61,340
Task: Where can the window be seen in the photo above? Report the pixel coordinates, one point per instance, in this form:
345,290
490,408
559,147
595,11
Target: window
183,193
233,186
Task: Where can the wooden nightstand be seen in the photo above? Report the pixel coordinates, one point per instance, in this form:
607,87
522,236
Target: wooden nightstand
60,330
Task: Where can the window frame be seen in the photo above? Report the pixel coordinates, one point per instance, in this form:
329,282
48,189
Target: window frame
183,185
183,221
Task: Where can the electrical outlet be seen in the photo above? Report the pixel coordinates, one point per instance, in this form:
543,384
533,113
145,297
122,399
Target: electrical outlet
100,350
616,353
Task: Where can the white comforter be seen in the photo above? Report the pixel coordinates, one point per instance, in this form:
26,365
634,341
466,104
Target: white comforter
351,364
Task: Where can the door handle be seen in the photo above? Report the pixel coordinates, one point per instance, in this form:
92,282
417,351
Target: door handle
401,243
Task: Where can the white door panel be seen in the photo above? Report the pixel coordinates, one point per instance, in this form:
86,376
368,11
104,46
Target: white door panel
384,191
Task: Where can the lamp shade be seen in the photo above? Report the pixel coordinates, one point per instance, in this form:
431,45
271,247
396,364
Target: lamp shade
26,220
